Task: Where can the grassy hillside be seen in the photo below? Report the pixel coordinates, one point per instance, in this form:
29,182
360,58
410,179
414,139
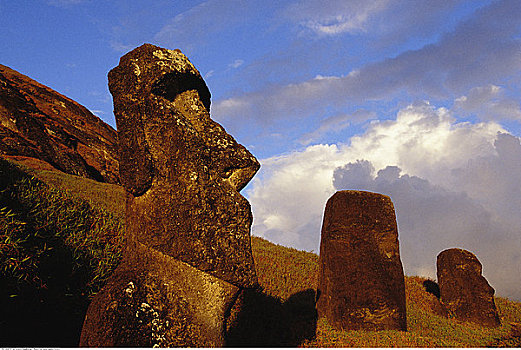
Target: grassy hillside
284,272
56,250
60,237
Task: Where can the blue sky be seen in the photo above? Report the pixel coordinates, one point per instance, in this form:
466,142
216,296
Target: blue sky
417,99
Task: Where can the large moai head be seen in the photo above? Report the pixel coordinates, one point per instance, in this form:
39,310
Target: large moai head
182,171
463,290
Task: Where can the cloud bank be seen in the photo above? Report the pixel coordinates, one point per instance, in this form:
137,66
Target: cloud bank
453,184
480,51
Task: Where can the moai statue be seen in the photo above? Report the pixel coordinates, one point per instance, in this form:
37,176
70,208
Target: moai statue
188,228
361,281
463,289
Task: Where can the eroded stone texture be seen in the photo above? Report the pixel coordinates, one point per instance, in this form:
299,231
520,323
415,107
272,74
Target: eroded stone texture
184,171
153,300
188,227
361,281
463,289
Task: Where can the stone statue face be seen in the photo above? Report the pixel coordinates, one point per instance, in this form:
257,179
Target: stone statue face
182,171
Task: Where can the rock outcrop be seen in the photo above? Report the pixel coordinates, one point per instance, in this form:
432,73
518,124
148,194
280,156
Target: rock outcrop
463,289
361,281
38,122
188,227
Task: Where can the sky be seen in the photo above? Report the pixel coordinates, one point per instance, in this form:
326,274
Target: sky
415,99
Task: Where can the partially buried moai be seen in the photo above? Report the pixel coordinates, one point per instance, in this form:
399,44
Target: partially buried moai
361,281
463,289
188,227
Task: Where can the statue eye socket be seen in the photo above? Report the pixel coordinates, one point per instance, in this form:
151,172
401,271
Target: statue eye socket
172,84
227,173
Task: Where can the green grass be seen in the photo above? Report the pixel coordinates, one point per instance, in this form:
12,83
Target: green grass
56,251
109,197
38,220
61,237
283,272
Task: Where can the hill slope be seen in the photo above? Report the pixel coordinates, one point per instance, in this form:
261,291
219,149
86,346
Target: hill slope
54,216
38,122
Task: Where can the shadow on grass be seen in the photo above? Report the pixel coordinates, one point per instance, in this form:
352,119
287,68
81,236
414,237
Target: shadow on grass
47,316
44,283
432,287
264,321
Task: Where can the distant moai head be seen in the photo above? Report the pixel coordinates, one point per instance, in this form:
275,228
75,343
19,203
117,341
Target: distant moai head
182,171
464,290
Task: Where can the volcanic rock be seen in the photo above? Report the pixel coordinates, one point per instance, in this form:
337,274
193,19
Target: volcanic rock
463,289
153,300
38,122
183,170
361,281
183,174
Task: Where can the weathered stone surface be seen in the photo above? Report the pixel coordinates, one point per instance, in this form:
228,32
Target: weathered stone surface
183,170
155,300
463,289
38,122
188,227
361,281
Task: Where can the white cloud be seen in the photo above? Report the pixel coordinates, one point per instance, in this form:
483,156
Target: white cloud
489,103
288,195
290,101
118,46
443,177
424,141
236,64
229,106
393,21
334,17
96,111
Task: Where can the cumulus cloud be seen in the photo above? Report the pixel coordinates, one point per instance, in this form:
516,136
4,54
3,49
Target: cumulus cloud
432,218
452,183
488,103
480,51
297,180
